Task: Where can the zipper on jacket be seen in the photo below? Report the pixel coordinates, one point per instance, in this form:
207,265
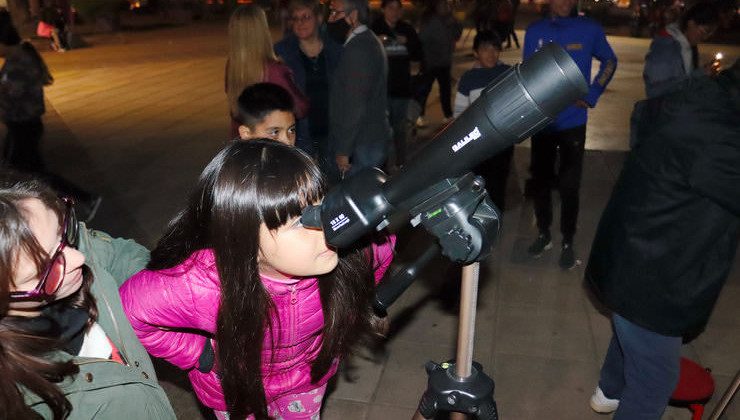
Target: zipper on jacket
292,311
293,295
121,351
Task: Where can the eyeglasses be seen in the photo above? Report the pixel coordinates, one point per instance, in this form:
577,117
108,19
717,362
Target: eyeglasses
334,12
305,18
54,272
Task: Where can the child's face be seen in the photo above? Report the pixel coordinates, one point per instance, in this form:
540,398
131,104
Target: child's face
277,125
392,12
487,55
294,251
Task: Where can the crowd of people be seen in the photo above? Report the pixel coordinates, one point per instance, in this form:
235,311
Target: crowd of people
257,309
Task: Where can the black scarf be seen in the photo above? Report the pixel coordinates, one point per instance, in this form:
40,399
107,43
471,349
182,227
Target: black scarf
62,321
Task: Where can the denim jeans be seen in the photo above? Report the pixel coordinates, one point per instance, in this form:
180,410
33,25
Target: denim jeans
372,155
641,370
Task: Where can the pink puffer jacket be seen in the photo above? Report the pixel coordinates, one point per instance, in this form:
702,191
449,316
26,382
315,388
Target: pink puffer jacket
166,306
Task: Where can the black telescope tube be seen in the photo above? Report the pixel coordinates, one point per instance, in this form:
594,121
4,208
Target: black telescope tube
392,288
516,105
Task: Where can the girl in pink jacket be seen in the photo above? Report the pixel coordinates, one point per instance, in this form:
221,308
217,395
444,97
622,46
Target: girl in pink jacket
252,304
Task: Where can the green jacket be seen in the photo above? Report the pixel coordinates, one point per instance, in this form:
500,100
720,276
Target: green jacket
103,388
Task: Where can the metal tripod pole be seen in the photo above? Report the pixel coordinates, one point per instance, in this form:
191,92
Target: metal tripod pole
466,326
725,401
467,390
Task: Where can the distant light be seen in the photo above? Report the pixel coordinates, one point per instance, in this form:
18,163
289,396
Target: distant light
718,56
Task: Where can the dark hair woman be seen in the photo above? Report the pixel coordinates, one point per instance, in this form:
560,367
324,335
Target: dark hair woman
66,349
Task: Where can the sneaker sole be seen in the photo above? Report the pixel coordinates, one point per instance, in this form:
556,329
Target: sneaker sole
601,409
546,248
568,268
575,264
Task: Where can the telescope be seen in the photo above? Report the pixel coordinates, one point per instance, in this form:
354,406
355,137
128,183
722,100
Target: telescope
438,192
519,103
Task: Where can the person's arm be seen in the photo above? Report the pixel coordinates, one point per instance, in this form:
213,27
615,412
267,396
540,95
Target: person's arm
122,258
413,44
663,68
462,97
350,98
383,254
282,75
716,174
608,64
116,396
456,28
427,33
530,42
169,319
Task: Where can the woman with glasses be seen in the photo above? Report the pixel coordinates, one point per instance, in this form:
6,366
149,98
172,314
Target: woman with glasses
313,56
66,348
252,60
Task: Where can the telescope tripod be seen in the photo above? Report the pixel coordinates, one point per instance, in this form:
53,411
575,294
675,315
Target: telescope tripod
460,386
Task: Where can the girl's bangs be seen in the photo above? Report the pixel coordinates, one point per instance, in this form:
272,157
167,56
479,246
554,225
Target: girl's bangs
283,190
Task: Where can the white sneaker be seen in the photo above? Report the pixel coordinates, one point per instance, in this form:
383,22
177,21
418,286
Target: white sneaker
601,404
421,122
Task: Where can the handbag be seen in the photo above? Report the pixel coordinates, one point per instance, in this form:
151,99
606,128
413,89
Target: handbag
43,30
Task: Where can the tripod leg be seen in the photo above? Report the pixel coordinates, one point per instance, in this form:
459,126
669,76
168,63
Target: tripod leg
417,416
427,407
453,416
487,411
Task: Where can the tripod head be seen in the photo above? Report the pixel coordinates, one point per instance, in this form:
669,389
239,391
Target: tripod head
459,212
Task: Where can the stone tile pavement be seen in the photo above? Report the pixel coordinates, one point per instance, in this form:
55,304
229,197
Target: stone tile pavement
136,117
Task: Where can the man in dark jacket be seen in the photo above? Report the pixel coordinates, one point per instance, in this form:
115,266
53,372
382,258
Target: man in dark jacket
402,45
667,239
358,125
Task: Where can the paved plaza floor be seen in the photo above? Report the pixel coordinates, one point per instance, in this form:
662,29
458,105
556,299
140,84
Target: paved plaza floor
136,117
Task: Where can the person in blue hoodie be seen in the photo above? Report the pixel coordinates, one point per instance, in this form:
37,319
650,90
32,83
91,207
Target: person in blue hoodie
564,139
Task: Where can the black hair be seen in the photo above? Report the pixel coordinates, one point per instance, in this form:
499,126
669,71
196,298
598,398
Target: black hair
387,2
27,364
702,13
259,100
247,184
8,33
486,37
362,7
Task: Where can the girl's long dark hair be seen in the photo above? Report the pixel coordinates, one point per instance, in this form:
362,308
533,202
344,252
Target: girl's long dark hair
247,184
24,360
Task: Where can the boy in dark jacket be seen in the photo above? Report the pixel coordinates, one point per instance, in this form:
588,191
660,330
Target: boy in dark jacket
486,49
